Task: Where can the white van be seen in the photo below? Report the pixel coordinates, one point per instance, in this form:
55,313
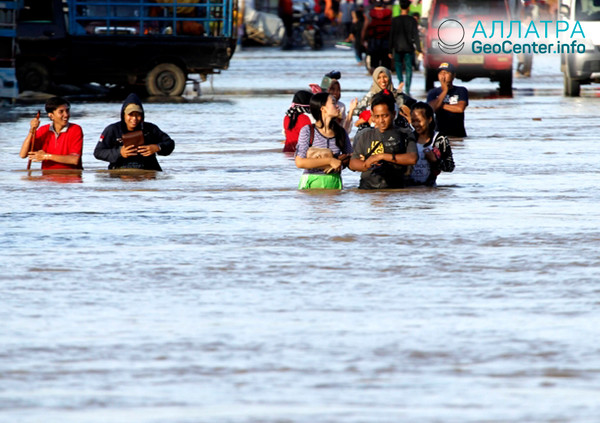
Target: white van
580,68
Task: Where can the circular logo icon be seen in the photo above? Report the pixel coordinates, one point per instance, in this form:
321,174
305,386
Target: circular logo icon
451,34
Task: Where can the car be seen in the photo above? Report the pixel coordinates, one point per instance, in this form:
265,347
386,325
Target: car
580,67
451,26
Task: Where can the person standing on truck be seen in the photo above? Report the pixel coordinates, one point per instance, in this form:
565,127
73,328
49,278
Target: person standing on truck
449,103
112,149
58,145
404,40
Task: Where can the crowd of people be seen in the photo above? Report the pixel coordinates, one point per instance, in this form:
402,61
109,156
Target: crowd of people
399,142
379,38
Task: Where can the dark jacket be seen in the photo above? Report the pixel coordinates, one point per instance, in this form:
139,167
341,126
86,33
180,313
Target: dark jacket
379,24
109,146
404,35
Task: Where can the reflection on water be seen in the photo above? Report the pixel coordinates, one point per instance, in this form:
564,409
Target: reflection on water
134,175
215,291
60,176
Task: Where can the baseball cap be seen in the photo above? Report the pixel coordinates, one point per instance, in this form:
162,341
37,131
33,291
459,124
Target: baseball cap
447,67
132,107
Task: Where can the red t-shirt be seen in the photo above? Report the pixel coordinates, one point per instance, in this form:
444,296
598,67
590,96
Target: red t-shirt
69,142
291,135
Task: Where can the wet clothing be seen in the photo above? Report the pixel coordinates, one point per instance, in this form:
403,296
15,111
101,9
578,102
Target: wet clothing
291,135
296,116
319,141
324,181
421,171
68,142
449,123
386,175
109,146
317,178
424,172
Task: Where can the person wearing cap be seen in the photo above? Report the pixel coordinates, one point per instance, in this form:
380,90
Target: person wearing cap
384,153
57,145
110,148
296,117
331,84
449,103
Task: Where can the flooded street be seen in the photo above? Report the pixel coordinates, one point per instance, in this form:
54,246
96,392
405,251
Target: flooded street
217,292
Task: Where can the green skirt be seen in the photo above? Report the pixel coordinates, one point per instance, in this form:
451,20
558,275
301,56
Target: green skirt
320,181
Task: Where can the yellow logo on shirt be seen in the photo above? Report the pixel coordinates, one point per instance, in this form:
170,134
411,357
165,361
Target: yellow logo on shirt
375,148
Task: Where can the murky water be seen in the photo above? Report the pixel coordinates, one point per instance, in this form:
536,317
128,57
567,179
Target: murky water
217,292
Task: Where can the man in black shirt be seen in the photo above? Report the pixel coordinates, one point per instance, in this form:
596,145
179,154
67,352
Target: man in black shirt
384,153
449,102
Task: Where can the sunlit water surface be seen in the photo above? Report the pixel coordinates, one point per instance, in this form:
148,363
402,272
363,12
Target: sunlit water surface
217,292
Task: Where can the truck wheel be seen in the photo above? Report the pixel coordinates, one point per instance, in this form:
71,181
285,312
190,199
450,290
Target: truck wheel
165,79
33,76
506,83
572,86
430,78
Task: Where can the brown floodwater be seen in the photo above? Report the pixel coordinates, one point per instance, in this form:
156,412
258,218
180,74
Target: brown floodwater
215,291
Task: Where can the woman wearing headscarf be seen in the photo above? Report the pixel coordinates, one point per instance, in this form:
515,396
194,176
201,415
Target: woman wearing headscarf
382,80
120,155
296,117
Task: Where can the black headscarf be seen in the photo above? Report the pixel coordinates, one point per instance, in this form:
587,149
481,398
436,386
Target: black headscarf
300,105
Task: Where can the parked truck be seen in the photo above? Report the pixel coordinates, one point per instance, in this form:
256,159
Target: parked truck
151,43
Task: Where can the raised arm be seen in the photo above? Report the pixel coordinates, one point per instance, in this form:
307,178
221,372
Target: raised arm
26,147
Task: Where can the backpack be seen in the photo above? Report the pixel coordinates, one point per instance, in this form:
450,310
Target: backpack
446,161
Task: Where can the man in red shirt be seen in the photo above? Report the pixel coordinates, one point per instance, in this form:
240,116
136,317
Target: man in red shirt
58,145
